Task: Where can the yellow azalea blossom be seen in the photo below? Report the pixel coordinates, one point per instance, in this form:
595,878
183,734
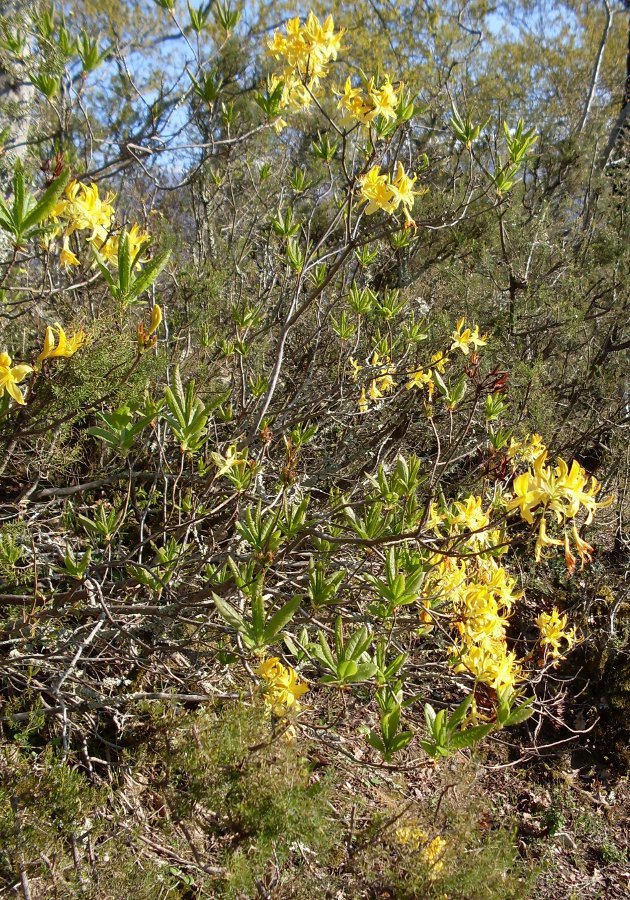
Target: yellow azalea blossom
65,347
283,687
137,241
156,319
379,191
67,258
431,850
362,402
553,632
465,338
440,360
490,663
527,496
376,191
10,376
373,391
306,51
363,105
526,451
83,209
419,379
356,367
402,191
386,383
559,489
469,514
384,99
584,549
544,540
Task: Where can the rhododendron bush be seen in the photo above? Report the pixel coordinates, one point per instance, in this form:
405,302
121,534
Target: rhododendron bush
264,436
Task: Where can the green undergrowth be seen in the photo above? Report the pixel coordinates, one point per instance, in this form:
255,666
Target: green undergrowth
214,804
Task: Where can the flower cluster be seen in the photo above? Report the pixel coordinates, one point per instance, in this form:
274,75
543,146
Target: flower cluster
430,850
306,52
421,378
559,490
283,688
526,451
380,191
81,208
364,105
553,631
477,592
383,383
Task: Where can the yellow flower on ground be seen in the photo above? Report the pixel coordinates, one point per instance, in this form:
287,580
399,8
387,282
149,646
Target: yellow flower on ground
65,347
10,376
553,632
431,851
283,687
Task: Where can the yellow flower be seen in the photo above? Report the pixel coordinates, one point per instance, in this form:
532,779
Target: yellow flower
402,190
465,338
373,391
10,376
156,319
306,50
584,549
67,257
553,631
440,361
356,367
376,191
283,686
362,402
527,496
490,663
84,209
431,851
469,514
544,540
65,347
419,379
363,106
137,242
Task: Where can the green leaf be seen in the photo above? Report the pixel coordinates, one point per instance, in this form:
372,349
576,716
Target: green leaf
460,713
148,275
280,619
46,203
228,613
469,737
